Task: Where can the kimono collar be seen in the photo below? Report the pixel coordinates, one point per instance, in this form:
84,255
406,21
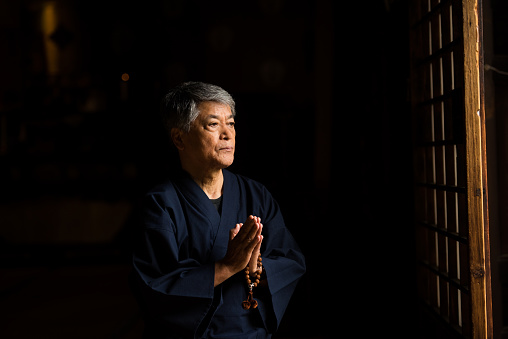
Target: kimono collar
195,193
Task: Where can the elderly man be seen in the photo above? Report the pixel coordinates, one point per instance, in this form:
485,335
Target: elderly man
213,257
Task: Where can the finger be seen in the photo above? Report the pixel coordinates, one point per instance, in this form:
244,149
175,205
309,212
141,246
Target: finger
249,239
238,228
258,246
258,220
248,229
251,220
259,226
254,232
253,262
234,231
250,246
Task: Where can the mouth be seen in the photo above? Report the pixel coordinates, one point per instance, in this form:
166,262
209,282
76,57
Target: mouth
227,149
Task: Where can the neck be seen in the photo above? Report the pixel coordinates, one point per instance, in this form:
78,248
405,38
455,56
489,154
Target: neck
210,181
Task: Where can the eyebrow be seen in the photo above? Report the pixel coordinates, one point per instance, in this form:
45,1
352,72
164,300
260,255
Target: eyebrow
213,116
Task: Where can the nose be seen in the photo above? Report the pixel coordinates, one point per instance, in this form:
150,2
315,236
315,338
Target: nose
226,133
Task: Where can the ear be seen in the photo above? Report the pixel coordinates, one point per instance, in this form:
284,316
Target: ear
176,137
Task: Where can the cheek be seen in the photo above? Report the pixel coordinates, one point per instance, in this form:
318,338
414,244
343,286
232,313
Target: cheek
208,144
211,140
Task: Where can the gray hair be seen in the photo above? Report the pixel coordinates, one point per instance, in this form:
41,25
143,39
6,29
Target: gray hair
179,108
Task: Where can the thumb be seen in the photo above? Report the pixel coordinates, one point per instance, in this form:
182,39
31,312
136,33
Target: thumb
234,231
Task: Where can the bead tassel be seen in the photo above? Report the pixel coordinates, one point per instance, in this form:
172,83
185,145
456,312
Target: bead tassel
251,302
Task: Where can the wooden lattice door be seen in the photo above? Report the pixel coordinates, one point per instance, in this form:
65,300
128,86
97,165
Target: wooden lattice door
450,179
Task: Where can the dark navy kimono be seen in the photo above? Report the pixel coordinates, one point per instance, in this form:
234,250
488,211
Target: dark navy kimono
183,235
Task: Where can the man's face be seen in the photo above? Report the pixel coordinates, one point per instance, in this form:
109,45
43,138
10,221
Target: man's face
211,139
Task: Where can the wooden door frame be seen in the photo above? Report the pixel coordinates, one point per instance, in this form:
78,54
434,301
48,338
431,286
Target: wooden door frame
469,55
475,158
486,225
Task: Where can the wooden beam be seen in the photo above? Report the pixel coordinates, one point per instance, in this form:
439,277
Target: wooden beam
475,187
486,213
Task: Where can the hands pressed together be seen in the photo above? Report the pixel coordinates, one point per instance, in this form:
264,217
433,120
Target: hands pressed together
243,249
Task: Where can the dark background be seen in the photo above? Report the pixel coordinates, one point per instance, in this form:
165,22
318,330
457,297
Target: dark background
323,120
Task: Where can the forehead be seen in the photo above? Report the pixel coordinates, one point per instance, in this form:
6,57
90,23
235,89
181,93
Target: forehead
212,109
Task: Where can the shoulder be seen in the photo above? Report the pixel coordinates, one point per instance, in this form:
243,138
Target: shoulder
252,186
164,187
162,194
159,206
243,180
258,199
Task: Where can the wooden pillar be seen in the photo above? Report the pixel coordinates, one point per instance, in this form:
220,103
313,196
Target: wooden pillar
475,163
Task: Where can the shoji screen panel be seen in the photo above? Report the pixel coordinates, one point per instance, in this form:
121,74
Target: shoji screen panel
448,167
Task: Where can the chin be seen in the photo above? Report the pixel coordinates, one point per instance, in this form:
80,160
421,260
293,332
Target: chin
226,163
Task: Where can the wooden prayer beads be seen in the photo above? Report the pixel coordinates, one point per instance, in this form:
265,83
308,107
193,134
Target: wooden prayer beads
251,302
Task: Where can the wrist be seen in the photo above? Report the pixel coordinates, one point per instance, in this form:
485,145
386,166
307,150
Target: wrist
222,272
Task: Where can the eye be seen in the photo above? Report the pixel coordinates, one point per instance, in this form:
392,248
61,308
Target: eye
213,124
231,124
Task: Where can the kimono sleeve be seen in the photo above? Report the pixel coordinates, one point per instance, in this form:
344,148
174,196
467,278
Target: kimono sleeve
176,293
283,262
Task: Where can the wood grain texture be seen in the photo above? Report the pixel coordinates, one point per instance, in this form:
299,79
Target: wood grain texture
474,168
